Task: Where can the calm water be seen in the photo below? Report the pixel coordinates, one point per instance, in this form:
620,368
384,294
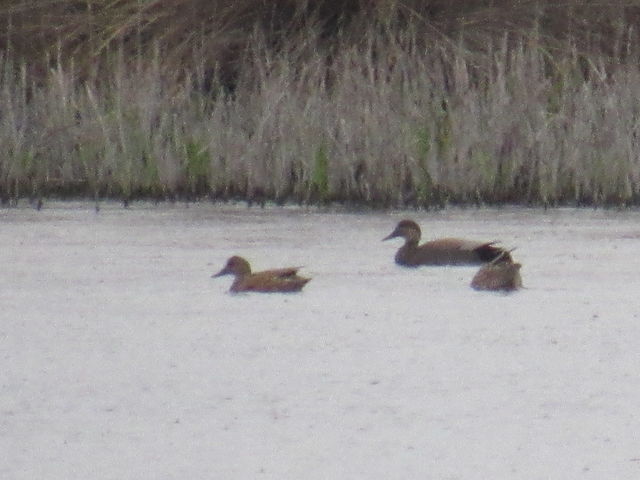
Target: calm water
123,359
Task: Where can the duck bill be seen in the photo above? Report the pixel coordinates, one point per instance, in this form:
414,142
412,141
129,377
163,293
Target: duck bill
222,272
393,234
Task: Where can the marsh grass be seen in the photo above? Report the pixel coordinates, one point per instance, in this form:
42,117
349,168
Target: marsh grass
387,120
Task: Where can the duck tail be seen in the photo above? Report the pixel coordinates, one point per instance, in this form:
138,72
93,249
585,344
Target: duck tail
491,253
503,257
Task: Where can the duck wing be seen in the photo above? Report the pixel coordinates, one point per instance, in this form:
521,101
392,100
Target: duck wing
281,272
457,244
450,244
279,280
461,251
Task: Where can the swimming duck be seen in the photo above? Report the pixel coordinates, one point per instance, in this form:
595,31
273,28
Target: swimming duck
444,251
499,274
279,280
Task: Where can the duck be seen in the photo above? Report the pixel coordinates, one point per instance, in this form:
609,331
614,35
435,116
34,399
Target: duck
268,281
443,251
502,273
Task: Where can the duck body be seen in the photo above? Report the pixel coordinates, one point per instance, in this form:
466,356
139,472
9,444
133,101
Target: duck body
444,251
269,281
501,275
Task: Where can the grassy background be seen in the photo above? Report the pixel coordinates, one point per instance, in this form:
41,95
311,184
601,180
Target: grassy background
382,103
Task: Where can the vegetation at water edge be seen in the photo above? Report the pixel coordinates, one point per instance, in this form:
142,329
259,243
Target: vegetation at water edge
380,103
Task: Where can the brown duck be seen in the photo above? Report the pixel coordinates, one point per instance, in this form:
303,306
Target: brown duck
280,280
444,251
500,274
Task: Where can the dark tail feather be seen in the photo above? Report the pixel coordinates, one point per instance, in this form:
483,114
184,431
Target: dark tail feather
489,252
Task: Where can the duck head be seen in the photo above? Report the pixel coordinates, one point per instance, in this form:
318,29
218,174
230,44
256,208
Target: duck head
236,266
407,229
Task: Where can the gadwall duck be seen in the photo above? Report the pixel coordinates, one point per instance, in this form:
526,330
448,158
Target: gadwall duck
444,251
499,274
279,280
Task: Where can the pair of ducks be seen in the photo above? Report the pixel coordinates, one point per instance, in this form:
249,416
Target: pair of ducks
499,271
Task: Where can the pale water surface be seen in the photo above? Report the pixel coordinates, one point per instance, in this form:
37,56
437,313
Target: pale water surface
123,359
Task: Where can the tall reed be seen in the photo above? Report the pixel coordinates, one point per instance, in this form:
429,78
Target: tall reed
387,120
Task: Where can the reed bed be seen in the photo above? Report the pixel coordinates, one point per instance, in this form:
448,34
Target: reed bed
389,120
